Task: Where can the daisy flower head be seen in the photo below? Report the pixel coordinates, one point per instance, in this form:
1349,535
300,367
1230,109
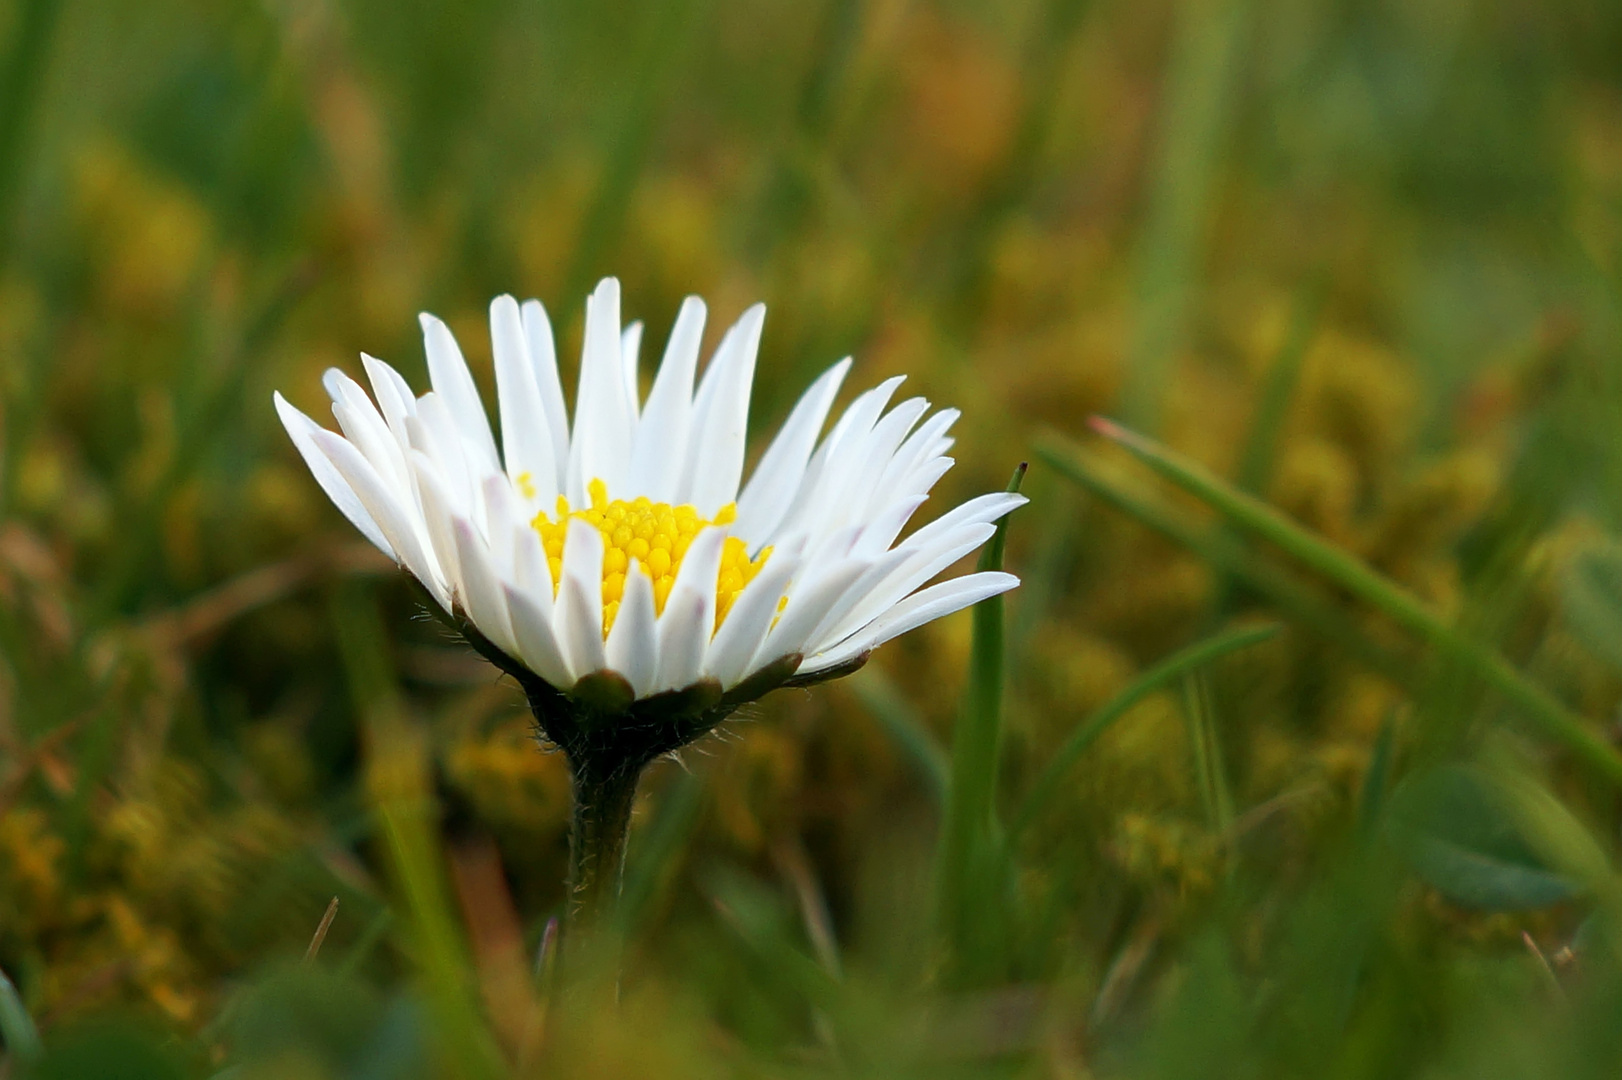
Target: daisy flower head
616,562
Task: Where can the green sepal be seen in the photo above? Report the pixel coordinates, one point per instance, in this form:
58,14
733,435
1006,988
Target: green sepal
838,671
606,692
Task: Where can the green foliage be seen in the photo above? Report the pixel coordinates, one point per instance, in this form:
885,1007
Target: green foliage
1459,834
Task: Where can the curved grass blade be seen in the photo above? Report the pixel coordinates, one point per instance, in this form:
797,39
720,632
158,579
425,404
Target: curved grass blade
1173,667
1227,555
878,694
17,1028
1358,578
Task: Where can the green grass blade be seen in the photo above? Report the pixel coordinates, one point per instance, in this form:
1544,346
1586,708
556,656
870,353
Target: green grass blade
363,946
1210,773
968,829
1260,454
1087,732
33,27
667,44
401,792
884,701
1228,556
1362,581
17,1028
655,851
1377,780
1261,442
1195,115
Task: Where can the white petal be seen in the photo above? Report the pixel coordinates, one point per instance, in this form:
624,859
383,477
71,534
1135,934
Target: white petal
362,425
433,432
531,572
857,465
390,516
543,354
818,509
394,396
437,514
682,641
891,431
831,547
300,428
506,518
919,568
907,497
482,598
537,644
662,435
880,533
923,607
776,480
578,617
453,382
633,641
721,418
526,440
630,348
920,446
688,620
331,382
808,604
925,476
744,629
989,507
882,445
603,424
880,569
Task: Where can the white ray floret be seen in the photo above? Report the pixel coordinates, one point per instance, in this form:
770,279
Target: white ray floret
620,542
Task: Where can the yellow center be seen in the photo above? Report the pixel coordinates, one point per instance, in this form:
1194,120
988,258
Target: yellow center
657,536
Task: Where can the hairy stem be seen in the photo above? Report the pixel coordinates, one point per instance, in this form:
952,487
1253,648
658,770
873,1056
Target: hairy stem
602,820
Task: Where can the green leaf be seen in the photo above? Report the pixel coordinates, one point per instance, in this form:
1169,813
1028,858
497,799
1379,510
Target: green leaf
1592,592
109,1047
1459,829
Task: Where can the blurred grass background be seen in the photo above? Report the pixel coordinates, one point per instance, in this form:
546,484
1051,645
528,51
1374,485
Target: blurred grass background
1359,257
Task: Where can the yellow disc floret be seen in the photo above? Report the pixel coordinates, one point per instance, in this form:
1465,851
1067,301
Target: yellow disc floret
656,536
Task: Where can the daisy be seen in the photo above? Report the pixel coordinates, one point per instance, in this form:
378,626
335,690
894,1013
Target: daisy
618,566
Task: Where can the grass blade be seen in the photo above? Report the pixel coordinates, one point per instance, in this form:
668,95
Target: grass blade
656,851
1261,443
879,695
968,828
33,32
1087,732
1228,556
1210,775
17,1028
1362,581
1196,112
401,791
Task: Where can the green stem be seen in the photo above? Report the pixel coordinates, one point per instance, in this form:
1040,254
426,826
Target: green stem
602,821
969,829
